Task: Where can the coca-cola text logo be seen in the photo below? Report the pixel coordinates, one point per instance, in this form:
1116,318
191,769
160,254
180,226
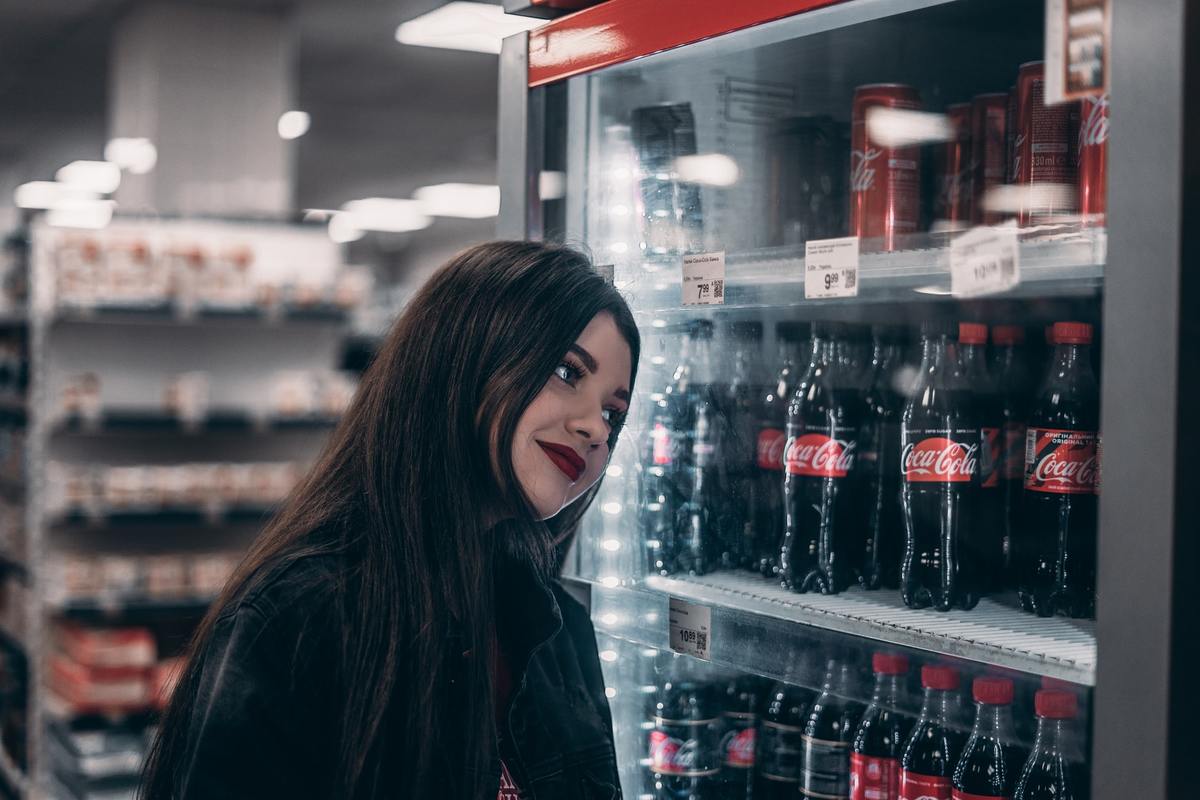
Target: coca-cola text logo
862,173
771,442
673,756
738,747
1093,128
818,455
1062,462
1018,146
937,459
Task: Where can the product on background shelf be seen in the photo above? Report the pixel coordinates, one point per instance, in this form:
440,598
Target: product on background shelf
187,396
1044,150
685,743
670,211
81,396
992,756
781,741
986,540
699,423
1053,771
94,689
933,748
882,733
806,174
1011,371
1056,550
829,733
939,435
885,182
742,411
1093,159
879,462
743,699
659,495
772,439
953,200
988,151
822,519
163,679
114,648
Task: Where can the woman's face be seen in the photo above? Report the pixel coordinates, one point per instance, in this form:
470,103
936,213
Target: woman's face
561,444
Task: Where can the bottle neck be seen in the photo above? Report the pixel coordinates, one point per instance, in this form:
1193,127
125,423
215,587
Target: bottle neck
940,707
889,691
939,358
1071,368
994,722
701,361
821,352
744,360
1053,737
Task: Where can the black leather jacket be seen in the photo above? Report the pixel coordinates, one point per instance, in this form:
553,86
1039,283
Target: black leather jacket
262,717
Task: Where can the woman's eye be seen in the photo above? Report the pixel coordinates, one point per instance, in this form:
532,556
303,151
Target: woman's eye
566,373
613,417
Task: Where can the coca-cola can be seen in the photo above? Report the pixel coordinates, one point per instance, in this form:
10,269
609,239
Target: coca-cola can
885,182
988,112
806,189
952,205
1044,150
1010,134
1093,159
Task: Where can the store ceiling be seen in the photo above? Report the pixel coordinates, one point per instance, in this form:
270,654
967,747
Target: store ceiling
385,118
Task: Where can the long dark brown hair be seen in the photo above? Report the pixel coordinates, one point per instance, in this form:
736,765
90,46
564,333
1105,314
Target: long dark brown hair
403,493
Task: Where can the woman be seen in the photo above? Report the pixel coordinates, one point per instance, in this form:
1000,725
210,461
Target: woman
395,632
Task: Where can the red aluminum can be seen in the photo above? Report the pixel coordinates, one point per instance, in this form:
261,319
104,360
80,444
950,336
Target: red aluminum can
1010,134
988,112
885,182
952,206
1093,159
1043,150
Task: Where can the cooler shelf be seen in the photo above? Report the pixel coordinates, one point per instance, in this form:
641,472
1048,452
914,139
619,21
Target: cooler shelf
752,619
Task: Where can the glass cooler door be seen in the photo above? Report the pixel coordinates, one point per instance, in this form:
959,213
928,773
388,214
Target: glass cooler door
847,544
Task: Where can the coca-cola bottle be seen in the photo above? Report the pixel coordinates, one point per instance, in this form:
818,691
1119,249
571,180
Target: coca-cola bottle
746,389
829,732
822,512
698,410
879,464
1062,482
772,436
780,741
1011,371
939,436
1052,772
882,733
933,748
985,539
743,699
991,757
659,494
685,740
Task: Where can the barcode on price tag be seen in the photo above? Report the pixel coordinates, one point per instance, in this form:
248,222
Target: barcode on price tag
704,279
985,261
831,268
691,628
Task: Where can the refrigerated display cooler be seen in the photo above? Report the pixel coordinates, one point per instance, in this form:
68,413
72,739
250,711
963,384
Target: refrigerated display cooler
902,297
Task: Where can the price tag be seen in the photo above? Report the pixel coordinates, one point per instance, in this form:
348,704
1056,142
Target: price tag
691,628
985,261
704,279
607,272
831,268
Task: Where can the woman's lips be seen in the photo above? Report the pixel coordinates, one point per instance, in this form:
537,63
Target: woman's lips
565,458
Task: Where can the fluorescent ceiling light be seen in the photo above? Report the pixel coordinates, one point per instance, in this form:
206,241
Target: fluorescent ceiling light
478,27
900,127
552,185
342,228
386,214
293,124
138,155
713,169
101,177
49,194
467,200
91,214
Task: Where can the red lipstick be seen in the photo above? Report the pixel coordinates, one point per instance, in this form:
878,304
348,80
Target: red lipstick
565,458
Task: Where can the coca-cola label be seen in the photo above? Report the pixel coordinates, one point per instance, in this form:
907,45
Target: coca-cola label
862,170
820,456
1012,459
825,772
961,795
661,437
924,787
989,460
771,443
874,778
1093,122
737,747
781,752
940,456
672,756
1062,462
508,787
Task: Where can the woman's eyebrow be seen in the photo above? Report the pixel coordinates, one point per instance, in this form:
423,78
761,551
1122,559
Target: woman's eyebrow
588,360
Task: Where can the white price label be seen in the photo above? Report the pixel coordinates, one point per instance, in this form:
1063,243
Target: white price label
831,268
985,261
607,272
691,628
704,279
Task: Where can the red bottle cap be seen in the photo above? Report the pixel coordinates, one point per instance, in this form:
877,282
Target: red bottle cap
937,676
1056,704
972,333
993,691
889,663
1057,683
1072,333
1005,335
